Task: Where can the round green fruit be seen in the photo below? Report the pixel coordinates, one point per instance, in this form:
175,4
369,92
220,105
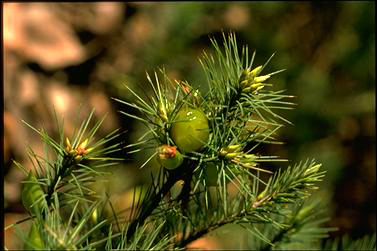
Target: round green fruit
32,192
190,130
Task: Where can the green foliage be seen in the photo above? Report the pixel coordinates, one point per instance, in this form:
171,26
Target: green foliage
346,243
222,172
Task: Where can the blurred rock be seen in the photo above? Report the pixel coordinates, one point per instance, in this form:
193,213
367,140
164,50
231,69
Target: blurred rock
139,30
101,103
12,191
61,98
236,16
100,18
15,132
29,93
12,25
39,36
108,16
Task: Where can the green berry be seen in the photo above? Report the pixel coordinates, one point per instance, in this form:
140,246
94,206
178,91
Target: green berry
32,192
169,157
190,130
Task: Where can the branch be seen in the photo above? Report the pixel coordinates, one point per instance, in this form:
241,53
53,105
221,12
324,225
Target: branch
153,202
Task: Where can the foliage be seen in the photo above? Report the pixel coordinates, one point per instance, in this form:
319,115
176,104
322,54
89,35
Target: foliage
237,116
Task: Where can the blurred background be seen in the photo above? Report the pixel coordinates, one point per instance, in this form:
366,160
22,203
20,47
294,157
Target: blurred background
75,56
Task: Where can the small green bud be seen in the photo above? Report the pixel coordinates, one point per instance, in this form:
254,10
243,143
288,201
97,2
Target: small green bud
262,194
246,72
257,85
233,148
68,150
258,89
248,89
245,84
249,157
232,155
89,150
261,78
223,152
256,71
68,144
78,158
244,75
162,112
84,144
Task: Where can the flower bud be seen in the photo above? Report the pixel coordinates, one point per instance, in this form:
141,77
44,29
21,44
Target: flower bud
233,148
169,157
68,143
232,155
162,112
244,75
248,89
78,158
84,144
257,85
89,150
244,84
262,194
256,71
261,78
249,157
67,149
223,152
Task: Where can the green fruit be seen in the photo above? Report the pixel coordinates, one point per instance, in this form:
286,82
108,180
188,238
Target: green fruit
34,241
169,157
32,192
190,130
